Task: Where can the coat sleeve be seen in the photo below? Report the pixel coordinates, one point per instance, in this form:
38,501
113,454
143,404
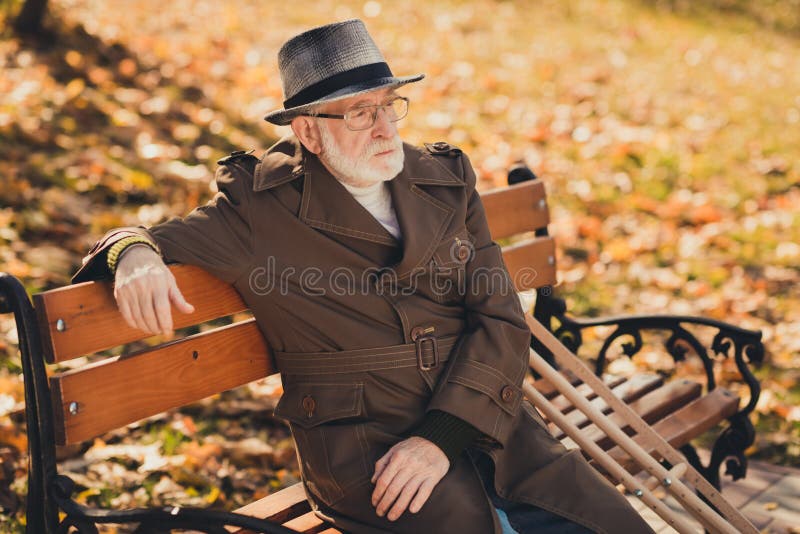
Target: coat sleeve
482,384
215,237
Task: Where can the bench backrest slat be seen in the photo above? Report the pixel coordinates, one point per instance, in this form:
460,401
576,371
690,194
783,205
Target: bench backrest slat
92,322
118,391
531,263
516,209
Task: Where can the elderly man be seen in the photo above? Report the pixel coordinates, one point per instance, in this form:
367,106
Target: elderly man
370,270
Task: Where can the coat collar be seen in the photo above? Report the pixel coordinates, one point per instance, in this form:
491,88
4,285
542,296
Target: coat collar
286,160
328,206
281,163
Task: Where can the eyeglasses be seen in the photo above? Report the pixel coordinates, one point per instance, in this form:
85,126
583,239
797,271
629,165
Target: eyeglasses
363,117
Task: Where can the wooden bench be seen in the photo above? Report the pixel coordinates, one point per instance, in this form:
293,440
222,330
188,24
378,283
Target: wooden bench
72,406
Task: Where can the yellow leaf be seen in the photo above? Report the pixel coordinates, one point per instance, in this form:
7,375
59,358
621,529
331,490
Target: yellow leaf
75,88
140,180
213,495
619,250
82,496
68,124
74,59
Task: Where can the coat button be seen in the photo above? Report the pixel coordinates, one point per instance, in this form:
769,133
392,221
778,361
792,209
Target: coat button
419,331
507,394
463,252
441,145
309,404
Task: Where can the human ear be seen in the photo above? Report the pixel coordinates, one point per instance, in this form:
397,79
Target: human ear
307,131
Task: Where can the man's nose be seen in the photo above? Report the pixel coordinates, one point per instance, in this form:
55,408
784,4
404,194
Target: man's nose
383,127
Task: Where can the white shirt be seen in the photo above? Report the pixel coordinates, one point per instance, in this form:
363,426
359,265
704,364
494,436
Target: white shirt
377,200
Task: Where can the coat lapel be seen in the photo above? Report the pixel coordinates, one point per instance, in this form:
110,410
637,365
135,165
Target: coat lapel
423,218
329,207
323,203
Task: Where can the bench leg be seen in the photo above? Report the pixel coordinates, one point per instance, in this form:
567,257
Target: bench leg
41,513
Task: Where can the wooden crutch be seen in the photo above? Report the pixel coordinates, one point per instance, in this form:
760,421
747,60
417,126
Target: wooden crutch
728,520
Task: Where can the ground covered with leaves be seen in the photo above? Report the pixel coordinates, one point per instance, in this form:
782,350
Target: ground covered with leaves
667,134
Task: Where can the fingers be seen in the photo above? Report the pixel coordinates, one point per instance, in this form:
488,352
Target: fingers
385,478
163,312
144,291
405,477
125,310
148,312
409,490
424,491
177,299
380,465
136,314
393,490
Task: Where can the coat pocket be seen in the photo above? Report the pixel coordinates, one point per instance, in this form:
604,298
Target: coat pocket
327,422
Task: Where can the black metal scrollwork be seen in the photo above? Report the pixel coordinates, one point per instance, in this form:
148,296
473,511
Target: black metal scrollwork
743,345
749,348
746,346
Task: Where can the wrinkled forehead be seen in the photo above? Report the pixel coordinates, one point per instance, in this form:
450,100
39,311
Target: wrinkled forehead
365,99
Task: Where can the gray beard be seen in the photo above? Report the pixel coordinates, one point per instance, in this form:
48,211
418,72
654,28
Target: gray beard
360,172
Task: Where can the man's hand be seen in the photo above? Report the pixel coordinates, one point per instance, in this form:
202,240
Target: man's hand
410,470
144,288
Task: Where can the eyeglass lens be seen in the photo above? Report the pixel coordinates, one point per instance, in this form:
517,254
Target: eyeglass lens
364,117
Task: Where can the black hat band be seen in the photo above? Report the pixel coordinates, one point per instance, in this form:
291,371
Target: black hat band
338,81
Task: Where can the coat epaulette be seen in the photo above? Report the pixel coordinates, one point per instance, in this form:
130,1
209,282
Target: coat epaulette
440,148
233,156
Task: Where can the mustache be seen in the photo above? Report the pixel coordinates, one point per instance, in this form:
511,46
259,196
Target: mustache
376,147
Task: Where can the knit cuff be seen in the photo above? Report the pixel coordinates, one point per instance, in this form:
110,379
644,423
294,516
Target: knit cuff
116,250
447,432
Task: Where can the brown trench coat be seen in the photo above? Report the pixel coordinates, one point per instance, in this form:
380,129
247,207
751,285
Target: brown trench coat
297,246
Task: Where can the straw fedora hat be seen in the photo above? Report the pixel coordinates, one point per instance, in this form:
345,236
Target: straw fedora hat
330,63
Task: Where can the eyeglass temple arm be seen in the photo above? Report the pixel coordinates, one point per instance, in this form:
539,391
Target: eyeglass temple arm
323,115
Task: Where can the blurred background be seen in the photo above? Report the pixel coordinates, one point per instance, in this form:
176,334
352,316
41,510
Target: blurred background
667,133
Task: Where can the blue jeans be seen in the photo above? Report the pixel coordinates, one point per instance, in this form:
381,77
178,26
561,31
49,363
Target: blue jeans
523,518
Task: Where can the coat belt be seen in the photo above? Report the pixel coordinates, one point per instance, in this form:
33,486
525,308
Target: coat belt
426,353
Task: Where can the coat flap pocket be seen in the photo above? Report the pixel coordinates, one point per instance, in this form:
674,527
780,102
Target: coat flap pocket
311,404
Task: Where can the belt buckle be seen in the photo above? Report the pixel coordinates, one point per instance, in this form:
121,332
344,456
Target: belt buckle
420,337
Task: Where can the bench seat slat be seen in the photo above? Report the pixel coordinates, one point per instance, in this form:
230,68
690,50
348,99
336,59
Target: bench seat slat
118,391
307,523
280,506
652,407
549,390
93,322
565,406
689,422
634,388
